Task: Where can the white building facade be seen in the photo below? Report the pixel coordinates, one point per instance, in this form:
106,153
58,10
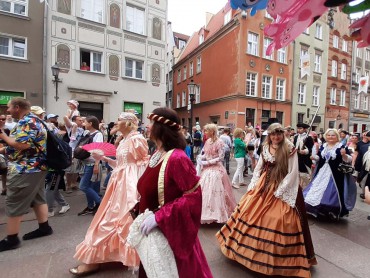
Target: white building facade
112,56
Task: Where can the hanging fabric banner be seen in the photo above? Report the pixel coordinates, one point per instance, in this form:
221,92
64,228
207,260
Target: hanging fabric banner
306,65
363,84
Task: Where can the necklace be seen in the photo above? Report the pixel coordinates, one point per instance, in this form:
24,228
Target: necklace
154,159
273,147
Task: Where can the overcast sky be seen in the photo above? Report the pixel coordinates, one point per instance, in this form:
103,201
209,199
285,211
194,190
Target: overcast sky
188,16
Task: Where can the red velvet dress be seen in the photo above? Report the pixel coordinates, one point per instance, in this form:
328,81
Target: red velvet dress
179,217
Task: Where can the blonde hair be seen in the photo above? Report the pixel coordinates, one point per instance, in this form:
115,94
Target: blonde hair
238,132
332,130
281,168
213,129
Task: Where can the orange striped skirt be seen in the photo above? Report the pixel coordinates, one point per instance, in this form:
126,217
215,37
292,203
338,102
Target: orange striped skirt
265,235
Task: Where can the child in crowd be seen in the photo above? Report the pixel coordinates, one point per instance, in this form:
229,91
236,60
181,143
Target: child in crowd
73,111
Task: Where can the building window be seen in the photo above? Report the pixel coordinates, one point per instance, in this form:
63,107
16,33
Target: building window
178,76
185,73
251,89
135,19
333,96
343,72
318,63
334,68
266,86
199,64
366,73
301,93
367,54
280,116
266,114
253,43
307,31
365,106
227,17
357,106
331,124
183,103
19,7
357,75
182,44
178,100
304,52
358,51
342,98
201,38
318,33
344,45
316,96
134,69
280,89
335,41
93,10
197,94
191,69
266,43
300,117
281,55
13,47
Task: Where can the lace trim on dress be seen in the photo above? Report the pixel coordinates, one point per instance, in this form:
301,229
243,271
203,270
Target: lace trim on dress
330,153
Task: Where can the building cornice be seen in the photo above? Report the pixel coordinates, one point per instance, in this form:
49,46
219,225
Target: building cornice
87,91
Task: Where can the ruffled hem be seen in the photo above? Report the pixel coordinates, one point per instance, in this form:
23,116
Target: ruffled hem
113,250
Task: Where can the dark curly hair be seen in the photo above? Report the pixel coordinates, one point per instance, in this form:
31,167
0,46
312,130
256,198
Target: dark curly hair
170,137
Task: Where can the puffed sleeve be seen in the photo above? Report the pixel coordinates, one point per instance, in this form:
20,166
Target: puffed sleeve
138,148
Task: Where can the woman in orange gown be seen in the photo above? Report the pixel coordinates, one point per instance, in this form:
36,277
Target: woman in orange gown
105,240
268,231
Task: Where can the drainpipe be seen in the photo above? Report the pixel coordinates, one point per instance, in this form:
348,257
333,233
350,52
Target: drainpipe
44,57
351,106
292,81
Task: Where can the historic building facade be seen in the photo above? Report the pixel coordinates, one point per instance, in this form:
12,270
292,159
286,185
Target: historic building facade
111,53
21,51
237,82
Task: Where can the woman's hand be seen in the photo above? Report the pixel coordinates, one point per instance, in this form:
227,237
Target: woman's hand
148,224
97,156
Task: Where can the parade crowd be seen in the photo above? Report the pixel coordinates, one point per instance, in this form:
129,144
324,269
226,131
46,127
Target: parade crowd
164,181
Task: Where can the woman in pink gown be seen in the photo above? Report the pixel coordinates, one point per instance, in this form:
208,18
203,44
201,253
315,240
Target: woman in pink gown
105,240
218,201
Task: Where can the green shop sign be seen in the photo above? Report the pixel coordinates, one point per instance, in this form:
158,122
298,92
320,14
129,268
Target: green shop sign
6,96
137,107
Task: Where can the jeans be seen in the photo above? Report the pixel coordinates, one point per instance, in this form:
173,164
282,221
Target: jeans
226,161
91,189
53,194
238,176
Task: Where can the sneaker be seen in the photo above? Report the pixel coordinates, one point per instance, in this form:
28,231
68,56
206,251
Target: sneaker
38,233
235,186
6,245
86,211
50,213
64,209
95,209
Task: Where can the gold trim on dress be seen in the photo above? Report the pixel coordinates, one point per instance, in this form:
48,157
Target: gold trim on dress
161,178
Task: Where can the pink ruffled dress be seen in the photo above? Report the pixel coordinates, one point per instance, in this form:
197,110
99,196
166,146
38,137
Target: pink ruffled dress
218,201
105,240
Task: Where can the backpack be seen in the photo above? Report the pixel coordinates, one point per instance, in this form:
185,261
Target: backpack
79,152
58,153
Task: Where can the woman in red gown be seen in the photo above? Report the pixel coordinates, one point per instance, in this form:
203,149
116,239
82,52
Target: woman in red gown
170,188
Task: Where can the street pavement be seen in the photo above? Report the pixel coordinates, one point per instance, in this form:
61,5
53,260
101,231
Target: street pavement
342,248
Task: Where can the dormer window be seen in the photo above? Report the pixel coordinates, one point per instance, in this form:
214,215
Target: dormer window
201,39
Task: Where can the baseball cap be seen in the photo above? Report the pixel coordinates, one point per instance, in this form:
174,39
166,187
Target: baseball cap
51,116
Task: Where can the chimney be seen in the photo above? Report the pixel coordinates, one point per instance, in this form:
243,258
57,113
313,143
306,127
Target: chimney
208,18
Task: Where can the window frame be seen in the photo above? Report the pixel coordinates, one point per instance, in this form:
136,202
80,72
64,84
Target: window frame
343,71
280,87
134,68
317,63
253,45
199,64
184,75
333,96
191,68
302,93
178,76
251,84
365,104
318,31
316,96
342,101
334,65
344,45
24,3
266,42
266,86
282,52
11,45
92,4
336,41
135,23
183,99
178,100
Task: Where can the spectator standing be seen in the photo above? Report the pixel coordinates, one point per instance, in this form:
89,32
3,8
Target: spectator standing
239,154
4,163
197,142
27,170
225,137
10,123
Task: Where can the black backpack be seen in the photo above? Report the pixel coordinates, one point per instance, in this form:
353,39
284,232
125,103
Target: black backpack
58,153
79,152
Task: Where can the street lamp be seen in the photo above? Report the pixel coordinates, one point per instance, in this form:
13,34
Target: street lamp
55,72
191,89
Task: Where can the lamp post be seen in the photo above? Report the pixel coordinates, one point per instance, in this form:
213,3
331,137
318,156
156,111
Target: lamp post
191,89
55,72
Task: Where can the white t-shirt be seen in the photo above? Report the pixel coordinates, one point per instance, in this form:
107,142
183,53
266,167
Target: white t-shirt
98,137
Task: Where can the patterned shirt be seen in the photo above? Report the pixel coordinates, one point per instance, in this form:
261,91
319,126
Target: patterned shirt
31,131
